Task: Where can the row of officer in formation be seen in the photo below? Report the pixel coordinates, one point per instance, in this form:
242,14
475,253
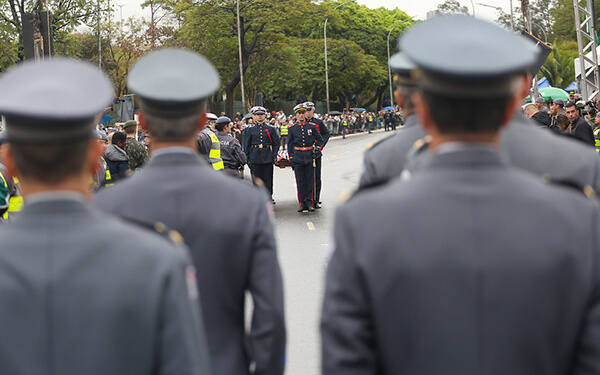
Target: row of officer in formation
305,141
469,261
467,264
121,286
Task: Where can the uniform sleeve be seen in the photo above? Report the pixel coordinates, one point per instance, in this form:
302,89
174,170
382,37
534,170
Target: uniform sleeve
246,138
182,340
238,154
276,142
347,337
325,133
267,333
367,176
587,357
319,138
290,143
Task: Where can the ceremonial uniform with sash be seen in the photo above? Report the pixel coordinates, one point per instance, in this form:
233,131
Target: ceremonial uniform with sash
324,131
304,140
261,144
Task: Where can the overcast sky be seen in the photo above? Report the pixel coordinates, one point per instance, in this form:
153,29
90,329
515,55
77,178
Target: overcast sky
417,8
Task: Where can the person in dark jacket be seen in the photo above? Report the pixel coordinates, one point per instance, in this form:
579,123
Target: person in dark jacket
579,128
116,157
232,154
541,118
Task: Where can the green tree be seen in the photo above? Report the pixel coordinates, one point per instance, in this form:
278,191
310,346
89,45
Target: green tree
66,16
542,19
452,7
564,19
559,69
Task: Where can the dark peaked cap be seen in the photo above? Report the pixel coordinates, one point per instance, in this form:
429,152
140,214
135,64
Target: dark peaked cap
173,82
466,57
52,100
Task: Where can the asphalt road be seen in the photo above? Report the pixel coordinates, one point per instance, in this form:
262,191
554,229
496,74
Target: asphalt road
304,243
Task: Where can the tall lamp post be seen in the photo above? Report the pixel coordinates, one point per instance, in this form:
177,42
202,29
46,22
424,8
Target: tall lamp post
241,57
388,51
325,39
512,19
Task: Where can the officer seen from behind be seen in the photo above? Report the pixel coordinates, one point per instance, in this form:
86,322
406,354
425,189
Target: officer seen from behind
82,292
304,144
233,157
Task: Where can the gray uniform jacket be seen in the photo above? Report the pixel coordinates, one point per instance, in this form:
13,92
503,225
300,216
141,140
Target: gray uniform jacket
227,227
82,292
386,159
456,272
523,145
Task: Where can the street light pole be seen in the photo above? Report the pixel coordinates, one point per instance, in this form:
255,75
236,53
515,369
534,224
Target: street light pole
241,56
388,53
325,41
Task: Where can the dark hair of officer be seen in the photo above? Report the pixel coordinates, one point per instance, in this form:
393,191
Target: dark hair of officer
406,84
50,163
222,122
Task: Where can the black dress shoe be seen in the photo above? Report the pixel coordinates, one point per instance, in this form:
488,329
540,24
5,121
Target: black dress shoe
317,205
273,200
302,209
311,208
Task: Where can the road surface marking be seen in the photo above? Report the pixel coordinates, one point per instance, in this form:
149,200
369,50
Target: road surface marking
310,225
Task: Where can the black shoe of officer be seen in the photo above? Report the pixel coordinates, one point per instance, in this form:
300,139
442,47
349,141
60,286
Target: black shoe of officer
311,208
302,209
317,205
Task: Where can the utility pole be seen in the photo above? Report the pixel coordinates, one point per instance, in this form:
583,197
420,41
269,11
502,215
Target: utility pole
589,82
528,27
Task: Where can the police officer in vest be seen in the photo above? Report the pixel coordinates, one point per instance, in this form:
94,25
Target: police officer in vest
13,194
261,144
322,128
304,143
283,132
232,154
225,222
209,146
82,292
597,131
102,177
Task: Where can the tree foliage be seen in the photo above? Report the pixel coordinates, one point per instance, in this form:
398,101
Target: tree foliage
559,69
452,7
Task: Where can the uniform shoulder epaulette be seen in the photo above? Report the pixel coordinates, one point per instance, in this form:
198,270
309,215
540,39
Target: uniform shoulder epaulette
377,143
586,190
423,143
292,125
159,228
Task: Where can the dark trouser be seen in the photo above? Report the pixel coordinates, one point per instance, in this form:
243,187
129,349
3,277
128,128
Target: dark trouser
265,173
235,173
283,142
304,182
318,179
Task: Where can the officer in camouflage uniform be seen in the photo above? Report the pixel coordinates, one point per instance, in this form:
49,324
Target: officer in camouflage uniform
138,155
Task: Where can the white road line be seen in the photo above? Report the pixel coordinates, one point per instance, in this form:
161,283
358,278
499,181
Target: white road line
310,225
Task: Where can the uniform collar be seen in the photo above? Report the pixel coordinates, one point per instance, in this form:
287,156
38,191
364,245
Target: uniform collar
466,155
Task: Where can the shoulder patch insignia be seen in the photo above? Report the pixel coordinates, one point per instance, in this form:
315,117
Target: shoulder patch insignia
377,143
586,190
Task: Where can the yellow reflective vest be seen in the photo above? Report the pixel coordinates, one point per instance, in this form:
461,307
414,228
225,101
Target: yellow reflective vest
215,153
